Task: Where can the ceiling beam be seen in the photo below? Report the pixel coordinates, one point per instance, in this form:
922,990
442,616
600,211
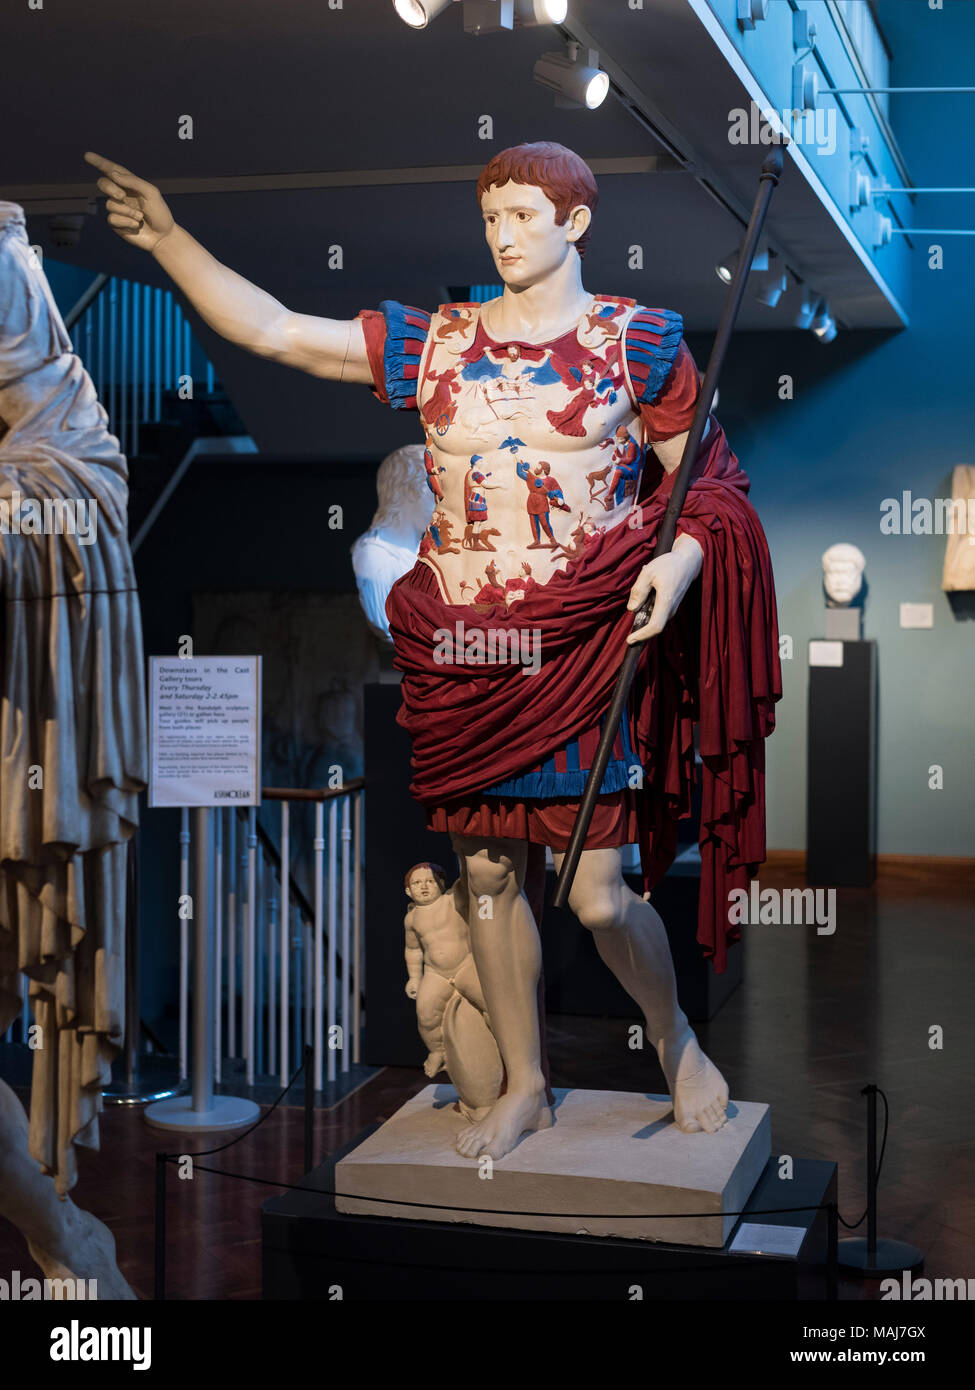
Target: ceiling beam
54,197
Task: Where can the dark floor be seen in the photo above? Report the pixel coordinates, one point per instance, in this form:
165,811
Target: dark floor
817,1018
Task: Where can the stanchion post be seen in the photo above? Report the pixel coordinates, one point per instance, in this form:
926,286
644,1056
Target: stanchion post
871,1094
202,963
159,1290
871,1257
309,1109
832,1252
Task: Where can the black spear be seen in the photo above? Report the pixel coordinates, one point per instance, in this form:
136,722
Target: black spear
771,172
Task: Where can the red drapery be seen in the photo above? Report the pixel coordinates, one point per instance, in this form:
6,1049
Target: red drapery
716,664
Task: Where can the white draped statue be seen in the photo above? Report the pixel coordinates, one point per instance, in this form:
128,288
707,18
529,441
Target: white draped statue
72,739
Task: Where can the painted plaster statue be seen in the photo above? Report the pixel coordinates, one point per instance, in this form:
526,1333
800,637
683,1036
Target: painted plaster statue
843,567
72,757
544,375
389,548
451,1011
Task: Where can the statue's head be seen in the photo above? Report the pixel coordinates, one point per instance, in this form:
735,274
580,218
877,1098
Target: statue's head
537,203
425,883
843,566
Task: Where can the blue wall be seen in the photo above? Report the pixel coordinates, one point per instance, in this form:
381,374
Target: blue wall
873,415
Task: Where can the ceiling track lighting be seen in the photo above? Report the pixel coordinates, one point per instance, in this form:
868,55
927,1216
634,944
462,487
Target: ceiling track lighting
530,13
419,13
823,325
485,16
575,82
771,283
807,309
726,267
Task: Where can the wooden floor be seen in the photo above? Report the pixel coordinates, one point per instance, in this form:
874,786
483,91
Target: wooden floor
817,1018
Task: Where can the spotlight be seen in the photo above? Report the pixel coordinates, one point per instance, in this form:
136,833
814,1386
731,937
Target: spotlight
726,267
770,284
488,16
807,309
529,13
575,83
823,324
418,13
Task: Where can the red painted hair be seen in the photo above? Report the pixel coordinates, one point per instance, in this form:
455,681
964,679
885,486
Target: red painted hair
435,869
563,176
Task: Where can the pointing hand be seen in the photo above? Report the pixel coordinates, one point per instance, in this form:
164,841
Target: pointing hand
136,210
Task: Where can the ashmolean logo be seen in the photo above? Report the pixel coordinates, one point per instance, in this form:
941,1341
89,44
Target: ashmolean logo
77,1343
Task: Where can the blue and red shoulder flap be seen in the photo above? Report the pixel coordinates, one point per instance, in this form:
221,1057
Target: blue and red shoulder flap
651,342
406,337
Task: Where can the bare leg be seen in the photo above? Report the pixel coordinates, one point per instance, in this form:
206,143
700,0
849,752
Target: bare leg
631,940
66,1242
467,984
431,1000
507,954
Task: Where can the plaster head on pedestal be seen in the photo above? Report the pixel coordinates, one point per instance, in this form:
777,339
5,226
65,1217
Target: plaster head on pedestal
388,549
843,566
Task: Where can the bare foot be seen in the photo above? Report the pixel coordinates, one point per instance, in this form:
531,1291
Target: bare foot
698,1090
434,1063
86,1252
508,1119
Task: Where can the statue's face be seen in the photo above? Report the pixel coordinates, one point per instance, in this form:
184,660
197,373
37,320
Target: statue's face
842,573
423,887
520,228
843,581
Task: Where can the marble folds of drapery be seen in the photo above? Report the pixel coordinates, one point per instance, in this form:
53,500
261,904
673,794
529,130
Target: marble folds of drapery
72,711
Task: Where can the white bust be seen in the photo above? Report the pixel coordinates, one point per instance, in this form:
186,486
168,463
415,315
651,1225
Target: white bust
389,548
843,567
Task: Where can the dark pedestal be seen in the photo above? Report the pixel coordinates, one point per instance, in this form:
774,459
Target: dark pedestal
308,1248
841,814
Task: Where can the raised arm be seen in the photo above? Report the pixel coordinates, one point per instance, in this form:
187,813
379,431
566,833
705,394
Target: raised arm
233,307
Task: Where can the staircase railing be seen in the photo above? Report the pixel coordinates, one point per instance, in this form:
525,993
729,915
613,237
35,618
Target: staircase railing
136,343
289,967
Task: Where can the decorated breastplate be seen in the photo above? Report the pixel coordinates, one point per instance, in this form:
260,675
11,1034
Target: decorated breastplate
531,450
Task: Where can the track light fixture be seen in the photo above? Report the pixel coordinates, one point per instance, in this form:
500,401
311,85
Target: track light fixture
418,13
770,284
576,83
488,16
726,267
823,324
485,16
807,309
529,13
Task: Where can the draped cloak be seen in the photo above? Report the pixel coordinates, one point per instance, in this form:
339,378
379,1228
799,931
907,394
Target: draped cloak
716,664
72,715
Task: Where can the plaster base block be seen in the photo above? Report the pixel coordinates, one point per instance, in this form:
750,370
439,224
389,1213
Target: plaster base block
613,1164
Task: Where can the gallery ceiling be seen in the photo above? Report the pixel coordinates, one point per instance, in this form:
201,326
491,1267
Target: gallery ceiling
313,87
